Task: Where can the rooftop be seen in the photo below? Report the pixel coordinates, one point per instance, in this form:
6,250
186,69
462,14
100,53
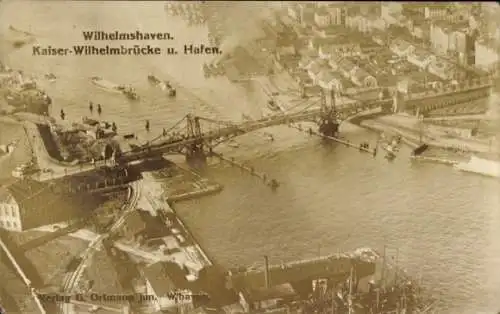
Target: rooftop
420,54
335,265
276,292
42,204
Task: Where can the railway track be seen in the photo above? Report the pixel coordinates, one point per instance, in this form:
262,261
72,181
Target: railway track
72,280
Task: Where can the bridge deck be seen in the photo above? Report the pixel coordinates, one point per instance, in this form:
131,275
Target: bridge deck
177,144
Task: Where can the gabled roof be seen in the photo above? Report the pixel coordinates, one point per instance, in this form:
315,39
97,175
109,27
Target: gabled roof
43,203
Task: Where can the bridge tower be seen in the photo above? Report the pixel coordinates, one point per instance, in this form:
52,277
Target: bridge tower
328,124
195,154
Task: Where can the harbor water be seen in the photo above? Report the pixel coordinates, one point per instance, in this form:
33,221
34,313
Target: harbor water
445,223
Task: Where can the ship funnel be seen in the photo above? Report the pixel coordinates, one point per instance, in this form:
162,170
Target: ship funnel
266,272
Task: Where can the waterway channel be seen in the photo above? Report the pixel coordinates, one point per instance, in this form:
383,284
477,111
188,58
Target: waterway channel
445,223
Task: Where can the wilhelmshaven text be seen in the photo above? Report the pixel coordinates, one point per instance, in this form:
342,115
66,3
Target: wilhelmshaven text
116,35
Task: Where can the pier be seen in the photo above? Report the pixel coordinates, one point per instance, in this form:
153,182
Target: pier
251,170
347,143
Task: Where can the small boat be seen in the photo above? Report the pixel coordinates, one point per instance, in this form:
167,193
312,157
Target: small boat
130,93
50,77
107,85
153,79
271,104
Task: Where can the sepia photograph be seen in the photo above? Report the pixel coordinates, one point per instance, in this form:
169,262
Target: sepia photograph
225,157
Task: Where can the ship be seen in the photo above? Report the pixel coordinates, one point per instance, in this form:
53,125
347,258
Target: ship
50,77
107,85
163,85
479,165
128,91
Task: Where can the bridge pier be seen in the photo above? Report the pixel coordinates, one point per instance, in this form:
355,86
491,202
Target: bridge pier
195,155
329,127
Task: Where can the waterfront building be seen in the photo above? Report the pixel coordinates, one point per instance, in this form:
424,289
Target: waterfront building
28,204
166,295
260,300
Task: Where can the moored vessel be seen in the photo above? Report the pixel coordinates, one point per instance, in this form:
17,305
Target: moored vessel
107,85
164,85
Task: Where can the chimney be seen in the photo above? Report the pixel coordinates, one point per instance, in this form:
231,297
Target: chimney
266,271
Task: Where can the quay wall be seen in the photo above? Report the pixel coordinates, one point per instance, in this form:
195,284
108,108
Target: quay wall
49,142
170,207
191,195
